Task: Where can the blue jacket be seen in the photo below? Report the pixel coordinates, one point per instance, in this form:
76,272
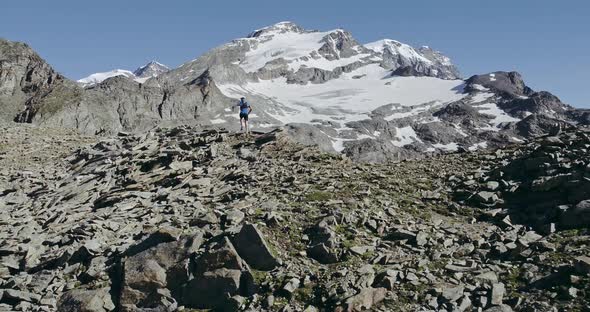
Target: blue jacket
244,107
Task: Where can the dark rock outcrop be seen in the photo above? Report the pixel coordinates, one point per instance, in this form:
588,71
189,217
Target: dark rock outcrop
252,246
506,83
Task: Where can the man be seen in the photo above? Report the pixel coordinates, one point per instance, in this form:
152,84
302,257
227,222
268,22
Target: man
245,110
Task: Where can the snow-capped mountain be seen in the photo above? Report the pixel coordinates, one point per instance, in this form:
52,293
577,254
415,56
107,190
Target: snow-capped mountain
374,101
404,60
294,75
379,101
286,50
100,77
149,70
141,74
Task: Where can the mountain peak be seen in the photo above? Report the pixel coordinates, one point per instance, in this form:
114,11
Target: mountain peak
278,28
151,69
396,48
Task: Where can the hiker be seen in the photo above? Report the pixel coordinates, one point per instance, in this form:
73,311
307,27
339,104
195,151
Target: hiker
245,110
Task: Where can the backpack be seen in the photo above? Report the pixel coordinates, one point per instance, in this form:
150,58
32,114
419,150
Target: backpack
244,105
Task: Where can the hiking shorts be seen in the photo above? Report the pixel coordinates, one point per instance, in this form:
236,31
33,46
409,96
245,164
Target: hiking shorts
244,116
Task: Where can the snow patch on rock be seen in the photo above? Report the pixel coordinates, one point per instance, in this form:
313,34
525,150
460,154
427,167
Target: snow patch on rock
405,136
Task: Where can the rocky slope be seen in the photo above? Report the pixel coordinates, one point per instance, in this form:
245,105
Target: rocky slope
184,218
374,103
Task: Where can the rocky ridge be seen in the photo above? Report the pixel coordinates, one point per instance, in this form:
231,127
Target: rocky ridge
183,218
25,80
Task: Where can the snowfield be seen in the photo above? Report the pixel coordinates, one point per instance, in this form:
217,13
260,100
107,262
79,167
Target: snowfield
405,136
499,115
346,99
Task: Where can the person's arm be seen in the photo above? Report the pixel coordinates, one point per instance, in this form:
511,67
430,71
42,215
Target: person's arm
249,109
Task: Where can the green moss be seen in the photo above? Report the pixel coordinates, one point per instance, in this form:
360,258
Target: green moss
369,255
556,258
259,276
513,281
340,229
279,303
318,196
419,289
436,265
304,294
273,250
348,243
258,212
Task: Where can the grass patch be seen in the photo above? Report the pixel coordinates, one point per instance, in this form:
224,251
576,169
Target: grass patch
318,196
513,282
436,265
348,243
304,294
259,276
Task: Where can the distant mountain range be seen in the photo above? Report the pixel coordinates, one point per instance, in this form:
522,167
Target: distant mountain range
373,102
141,74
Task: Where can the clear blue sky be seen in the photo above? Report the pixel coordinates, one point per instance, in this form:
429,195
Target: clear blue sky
547,41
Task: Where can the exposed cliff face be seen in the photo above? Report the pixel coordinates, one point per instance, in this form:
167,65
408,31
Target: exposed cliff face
25,79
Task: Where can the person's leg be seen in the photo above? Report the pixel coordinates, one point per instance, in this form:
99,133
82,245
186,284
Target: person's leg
241,122
247,124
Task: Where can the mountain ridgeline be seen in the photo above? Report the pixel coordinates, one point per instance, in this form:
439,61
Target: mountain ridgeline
373,102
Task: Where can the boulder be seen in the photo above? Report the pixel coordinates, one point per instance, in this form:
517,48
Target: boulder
13,295
253,248
290,286
233,217
219,274
247,154
486,197
85,300
323,254
212,289
366,299
582,264
151,276
577,217
497,293
499,308
224,255
452,294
